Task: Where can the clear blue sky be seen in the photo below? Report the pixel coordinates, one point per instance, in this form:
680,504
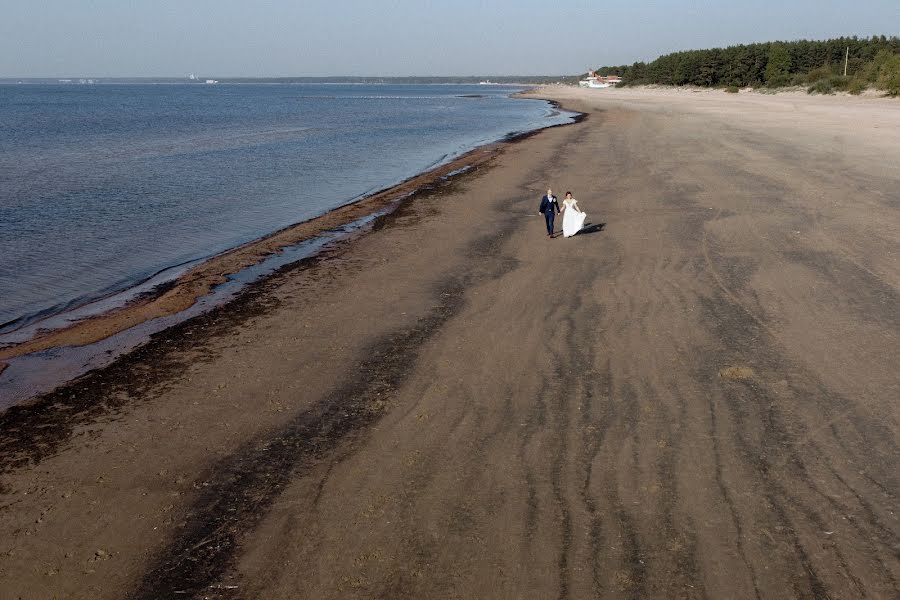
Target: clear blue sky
106,38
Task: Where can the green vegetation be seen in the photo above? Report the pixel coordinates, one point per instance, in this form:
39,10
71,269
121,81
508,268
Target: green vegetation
778,66
857,87
885,72
732,89
822,86
819,65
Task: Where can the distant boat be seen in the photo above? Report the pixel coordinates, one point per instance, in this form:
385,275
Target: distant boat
192,77
212,81
486,82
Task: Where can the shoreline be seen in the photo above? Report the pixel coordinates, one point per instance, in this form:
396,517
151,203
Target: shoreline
179,295
678,400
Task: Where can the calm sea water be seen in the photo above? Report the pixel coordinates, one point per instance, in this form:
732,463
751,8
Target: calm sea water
103,186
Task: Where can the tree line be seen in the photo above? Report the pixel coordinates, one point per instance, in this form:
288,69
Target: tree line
874,60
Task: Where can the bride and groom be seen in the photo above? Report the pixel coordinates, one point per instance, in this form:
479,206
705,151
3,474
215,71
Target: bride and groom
573,219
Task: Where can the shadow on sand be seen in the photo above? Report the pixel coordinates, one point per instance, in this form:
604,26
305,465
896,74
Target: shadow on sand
591,228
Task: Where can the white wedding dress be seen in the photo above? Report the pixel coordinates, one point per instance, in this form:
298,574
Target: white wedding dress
573,219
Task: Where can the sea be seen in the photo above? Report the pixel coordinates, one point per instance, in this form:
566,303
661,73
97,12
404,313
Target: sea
104,188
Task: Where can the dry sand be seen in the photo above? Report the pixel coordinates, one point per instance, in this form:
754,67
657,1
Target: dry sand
697,399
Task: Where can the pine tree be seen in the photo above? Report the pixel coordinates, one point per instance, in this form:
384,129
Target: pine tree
778,67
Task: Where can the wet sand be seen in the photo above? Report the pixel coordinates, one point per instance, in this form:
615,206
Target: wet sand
696,397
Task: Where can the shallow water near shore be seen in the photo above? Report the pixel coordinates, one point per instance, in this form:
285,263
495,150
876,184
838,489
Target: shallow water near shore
40,372
105,187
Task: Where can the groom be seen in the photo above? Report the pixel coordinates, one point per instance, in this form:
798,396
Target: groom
549,208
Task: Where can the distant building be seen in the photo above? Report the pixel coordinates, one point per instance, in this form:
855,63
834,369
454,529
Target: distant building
599,81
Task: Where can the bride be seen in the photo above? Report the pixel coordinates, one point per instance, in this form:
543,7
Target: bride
573,219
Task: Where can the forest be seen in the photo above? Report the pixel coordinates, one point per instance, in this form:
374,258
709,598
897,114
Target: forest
817,65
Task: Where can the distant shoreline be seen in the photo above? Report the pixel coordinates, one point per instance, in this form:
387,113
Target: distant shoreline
465,80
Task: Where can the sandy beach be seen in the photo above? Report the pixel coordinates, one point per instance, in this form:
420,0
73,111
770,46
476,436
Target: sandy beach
694,397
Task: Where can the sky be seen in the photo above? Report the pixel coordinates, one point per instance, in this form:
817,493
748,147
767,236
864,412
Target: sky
270,38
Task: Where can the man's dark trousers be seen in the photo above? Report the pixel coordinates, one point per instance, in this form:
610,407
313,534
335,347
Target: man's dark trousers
549,216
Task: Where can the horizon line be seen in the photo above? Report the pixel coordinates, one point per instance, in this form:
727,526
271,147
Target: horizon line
200,78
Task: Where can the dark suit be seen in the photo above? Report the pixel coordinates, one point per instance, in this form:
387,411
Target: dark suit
549,208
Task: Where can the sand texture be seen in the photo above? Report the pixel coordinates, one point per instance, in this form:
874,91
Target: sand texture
694,398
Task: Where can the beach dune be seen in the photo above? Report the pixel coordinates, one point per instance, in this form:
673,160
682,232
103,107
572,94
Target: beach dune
694,397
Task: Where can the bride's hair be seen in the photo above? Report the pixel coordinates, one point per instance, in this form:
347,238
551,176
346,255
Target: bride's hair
568,193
